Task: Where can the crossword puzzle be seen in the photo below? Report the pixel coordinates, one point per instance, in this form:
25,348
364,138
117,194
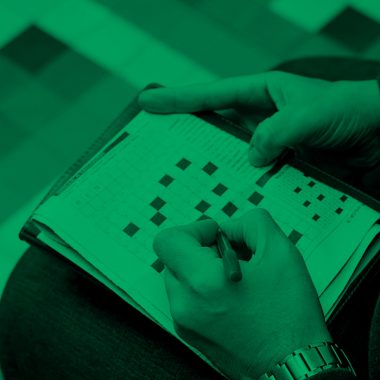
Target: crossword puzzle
228,207
145,182
181,195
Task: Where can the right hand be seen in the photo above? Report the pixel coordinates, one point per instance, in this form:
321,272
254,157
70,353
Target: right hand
244,327
307,114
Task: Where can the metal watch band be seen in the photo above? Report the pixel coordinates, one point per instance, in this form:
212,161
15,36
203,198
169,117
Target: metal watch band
309,361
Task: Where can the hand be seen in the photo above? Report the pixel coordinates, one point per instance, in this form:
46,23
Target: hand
246,327
292,111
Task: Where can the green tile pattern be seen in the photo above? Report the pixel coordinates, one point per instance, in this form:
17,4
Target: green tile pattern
68,67
33,107
33,49
71,75
353,29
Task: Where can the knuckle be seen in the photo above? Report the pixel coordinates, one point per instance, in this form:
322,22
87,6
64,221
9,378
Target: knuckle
286,252
262,137
276,75
199,284
204,285
181,315
262,220
296,120
161,239
259,214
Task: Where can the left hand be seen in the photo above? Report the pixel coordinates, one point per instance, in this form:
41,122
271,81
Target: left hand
334,125
246,327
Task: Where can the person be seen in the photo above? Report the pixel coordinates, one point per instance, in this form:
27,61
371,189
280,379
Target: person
247,328
57,322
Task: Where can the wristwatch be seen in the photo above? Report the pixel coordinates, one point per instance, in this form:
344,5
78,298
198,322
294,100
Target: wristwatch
309,361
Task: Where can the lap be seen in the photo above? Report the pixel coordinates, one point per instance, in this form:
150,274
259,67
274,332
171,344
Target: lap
59,323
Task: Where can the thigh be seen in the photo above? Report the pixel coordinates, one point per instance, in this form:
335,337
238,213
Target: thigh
58,323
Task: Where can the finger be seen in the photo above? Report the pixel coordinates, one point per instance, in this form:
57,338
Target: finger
222,94
178,297
285,129
186,249
256,229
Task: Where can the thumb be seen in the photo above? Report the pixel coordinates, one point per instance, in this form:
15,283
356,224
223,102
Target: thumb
284,129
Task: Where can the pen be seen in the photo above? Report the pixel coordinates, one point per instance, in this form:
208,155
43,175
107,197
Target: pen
229,256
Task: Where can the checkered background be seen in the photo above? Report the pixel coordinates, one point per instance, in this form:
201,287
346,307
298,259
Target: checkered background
67,67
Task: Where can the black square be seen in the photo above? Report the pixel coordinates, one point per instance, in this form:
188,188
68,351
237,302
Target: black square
256,198
316,217
203,206
219,189
307,203
158,218
343,198
33,49
158,266
297,190
158,203
353,29
295,236
210,168
72,75
321,197
339,210
183,164
311,184
166,180
229,209
131,229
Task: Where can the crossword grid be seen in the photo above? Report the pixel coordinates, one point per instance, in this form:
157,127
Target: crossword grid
229,208
155,209
140,196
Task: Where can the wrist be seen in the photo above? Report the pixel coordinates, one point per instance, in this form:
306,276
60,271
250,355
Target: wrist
279,346
308,361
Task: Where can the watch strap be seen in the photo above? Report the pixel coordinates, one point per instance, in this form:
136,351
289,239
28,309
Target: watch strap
309,361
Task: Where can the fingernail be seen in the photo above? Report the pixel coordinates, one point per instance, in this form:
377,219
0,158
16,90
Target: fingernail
256,159
146,97
155,101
